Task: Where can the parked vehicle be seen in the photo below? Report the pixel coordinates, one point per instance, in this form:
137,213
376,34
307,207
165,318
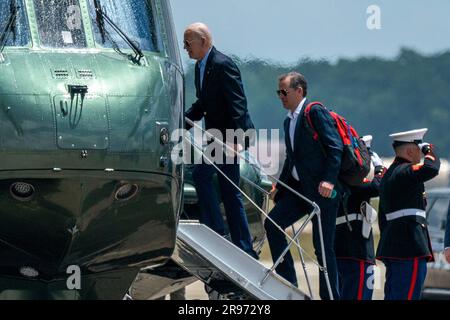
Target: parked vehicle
437,283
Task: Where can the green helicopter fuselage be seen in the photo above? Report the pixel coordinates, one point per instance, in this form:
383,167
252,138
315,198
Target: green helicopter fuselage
86,177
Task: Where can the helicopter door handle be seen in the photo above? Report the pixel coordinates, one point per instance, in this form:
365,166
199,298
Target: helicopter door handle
64,108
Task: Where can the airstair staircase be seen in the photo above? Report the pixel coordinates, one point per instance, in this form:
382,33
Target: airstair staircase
214,259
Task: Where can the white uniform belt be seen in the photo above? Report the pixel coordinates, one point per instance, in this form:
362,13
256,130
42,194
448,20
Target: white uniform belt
351,217
405,213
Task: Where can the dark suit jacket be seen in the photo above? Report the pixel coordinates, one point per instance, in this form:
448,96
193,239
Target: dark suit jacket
314,163
447,231
221,100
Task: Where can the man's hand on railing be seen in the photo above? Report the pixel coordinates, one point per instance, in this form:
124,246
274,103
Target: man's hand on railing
237,148
326,189
273,192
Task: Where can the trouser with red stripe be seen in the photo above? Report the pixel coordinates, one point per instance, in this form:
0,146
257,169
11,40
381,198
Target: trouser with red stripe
356,279
404,278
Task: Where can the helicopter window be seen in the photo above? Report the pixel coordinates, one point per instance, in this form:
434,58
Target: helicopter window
135,18
14,34
60,23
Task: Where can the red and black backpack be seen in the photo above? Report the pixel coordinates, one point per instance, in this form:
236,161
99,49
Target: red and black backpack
355,164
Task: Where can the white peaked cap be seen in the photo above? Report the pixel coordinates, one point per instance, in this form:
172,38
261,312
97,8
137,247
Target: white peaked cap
367,140
414,136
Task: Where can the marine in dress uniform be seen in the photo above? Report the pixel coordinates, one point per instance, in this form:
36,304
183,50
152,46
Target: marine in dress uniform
355,251
405,246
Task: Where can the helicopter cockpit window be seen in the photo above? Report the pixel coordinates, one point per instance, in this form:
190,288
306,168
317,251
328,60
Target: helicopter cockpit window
60,23
135,18
14,30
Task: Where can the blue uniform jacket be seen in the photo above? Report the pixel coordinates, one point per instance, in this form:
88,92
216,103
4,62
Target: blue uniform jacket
403,187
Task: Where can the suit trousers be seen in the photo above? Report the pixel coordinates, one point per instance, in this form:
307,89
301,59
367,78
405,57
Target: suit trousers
232,200
289,209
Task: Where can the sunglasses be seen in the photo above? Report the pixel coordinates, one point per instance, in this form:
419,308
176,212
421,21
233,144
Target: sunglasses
284,92
187,43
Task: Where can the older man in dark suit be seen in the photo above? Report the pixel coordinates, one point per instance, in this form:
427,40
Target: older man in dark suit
222,103
311,168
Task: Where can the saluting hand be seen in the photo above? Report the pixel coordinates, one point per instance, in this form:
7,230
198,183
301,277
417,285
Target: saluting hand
326,189
425,147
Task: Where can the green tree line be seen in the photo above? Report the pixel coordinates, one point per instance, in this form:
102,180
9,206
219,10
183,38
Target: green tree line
377,96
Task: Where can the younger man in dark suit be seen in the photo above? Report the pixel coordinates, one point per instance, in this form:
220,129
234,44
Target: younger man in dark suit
311,168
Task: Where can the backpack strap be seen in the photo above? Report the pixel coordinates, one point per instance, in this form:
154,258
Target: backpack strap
308,118
310,126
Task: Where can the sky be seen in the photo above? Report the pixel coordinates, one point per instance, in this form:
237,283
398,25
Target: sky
286,31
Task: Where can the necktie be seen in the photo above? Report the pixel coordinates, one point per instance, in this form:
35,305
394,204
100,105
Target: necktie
197,77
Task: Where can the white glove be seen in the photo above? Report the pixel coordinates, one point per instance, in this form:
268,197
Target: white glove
376,160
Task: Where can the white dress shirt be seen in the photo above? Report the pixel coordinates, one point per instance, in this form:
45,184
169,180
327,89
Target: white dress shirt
292,124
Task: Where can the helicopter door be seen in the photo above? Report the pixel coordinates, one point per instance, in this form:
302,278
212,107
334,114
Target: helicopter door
81,120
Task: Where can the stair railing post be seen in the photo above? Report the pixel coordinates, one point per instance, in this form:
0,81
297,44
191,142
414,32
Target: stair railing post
302,260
